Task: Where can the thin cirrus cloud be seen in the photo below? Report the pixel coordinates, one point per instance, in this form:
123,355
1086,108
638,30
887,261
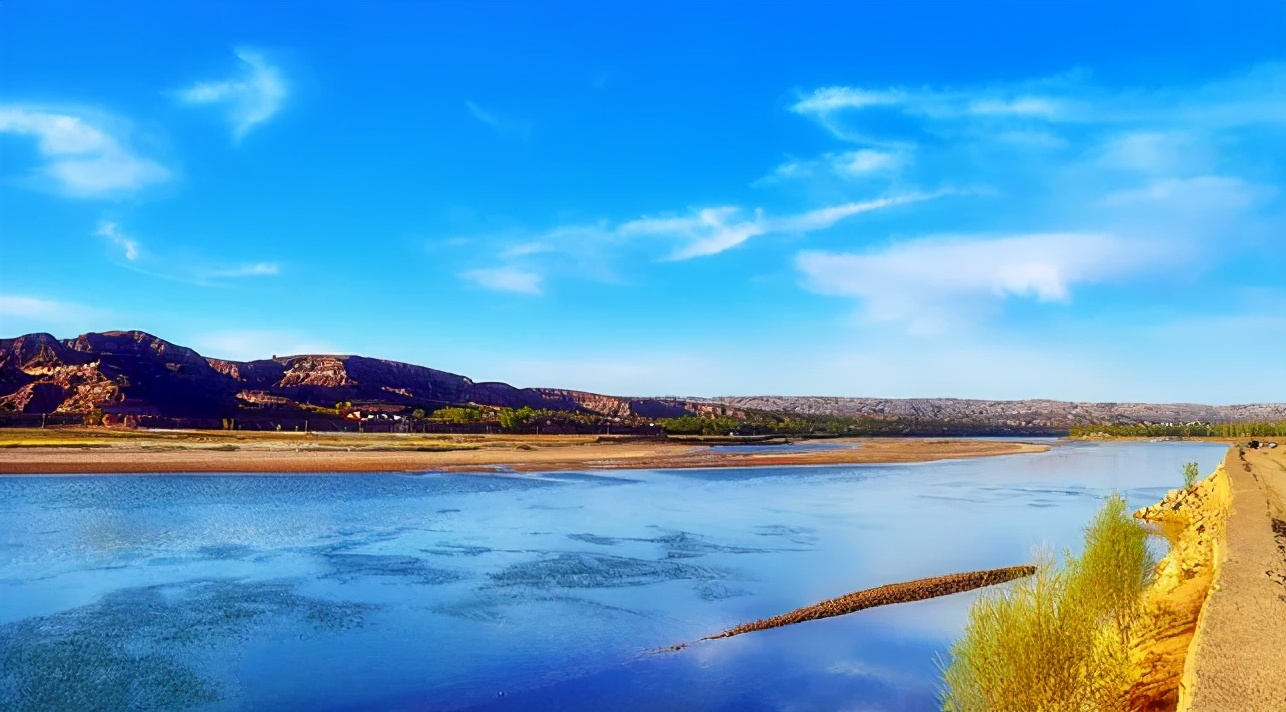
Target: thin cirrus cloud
505,279
251,98
840,111
1251,98
1227,195
714,230
258,269
129,246
587,250
503,125
146,262
923,281
865,163
82,156
1012,102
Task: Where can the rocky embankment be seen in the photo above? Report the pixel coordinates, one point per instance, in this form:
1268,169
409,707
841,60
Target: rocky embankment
1193,520
1210,639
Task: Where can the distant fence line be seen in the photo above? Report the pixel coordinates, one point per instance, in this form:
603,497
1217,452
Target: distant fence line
37,420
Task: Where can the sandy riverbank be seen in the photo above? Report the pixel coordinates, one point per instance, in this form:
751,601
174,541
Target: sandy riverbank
83,451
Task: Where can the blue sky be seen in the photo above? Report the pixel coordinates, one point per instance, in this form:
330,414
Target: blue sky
998,200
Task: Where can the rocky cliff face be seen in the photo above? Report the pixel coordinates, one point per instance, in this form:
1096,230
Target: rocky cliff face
614,407
132,372
129,371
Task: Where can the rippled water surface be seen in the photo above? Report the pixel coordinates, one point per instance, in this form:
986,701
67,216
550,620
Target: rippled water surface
428,592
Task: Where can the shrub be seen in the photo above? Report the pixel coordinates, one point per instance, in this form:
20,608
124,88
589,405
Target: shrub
1058,641
1190,475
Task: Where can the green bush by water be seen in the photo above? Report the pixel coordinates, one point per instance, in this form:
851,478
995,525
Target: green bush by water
1058,641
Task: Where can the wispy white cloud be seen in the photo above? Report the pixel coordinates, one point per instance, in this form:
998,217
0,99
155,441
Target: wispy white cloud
828,99
111,231
251,98
587,251
864,164
1023,106
258,269
867,161
505,279
1155,152
1222,193
504,125
82,156
197,271
1253,98
710,231
925,282
841,110
1187,165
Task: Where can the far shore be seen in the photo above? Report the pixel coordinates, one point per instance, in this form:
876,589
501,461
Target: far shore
100,451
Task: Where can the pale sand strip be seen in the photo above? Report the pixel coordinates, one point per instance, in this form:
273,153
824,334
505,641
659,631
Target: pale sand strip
532,454
1237,660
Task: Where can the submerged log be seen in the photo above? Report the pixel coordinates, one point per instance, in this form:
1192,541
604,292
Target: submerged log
917,590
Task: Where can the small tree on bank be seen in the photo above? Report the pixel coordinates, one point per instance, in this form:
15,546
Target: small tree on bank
1191,473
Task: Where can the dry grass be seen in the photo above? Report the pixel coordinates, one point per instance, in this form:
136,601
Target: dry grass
1059,641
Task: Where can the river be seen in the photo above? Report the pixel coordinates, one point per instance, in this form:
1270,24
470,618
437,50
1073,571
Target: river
521,592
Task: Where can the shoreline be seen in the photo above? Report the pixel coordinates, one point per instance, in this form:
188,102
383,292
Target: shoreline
87,452
1235,659
1213,619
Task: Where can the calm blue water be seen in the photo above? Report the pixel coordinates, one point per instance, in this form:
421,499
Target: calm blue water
544,592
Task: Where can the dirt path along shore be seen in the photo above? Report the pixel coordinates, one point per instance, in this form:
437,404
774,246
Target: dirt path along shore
1237,661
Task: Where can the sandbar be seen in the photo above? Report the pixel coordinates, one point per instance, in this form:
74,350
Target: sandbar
97,451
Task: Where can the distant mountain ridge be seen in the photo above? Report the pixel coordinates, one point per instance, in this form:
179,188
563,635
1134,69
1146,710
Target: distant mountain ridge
133,373
136,373
1032,413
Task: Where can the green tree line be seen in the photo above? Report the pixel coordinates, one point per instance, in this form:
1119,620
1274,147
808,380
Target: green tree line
765,423
509,419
